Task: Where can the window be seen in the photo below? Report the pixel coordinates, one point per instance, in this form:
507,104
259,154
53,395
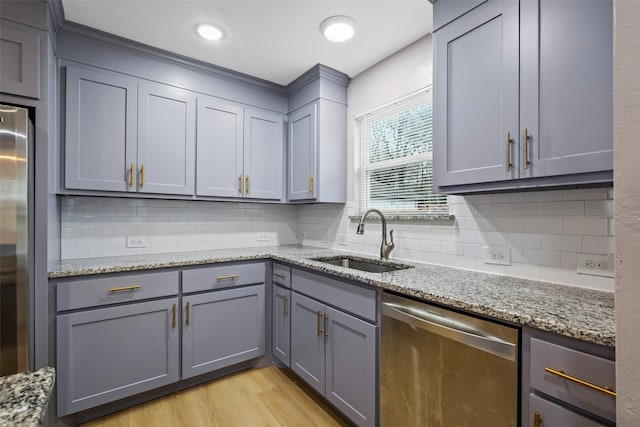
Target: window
395,169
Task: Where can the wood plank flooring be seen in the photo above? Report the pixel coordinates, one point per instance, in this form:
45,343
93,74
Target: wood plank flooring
257,397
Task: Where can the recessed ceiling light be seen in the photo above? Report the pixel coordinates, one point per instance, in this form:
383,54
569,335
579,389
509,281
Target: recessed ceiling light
210,31
338,28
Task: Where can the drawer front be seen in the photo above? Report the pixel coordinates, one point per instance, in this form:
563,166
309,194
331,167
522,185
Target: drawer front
112,290
592,369
351,298
552,415
222,276
281,275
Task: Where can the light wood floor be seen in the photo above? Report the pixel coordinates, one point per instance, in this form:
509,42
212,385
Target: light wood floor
253,398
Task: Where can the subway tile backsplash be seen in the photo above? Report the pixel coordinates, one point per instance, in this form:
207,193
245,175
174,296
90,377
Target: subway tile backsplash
544,230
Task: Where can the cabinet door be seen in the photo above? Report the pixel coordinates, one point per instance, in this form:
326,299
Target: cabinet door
551,415
476,96
100,130
307,340
281,324
111,353
219,148
351,366
19,60
263,155
221,329
567,86
302,152
166,139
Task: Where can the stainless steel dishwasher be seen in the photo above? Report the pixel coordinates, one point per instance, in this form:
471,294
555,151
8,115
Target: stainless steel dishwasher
440,368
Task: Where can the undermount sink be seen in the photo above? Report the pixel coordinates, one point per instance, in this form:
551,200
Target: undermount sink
363,264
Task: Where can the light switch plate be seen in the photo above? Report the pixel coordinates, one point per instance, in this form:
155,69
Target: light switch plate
136,241
497,255
595,264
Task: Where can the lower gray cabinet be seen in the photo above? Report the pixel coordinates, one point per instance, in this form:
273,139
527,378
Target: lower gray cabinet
110,353
543,412
222,328
335,353
281,324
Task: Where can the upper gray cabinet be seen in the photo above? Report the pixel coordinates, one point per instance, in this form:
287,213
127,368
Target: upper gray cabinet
523,96
19,60
317,137
239,151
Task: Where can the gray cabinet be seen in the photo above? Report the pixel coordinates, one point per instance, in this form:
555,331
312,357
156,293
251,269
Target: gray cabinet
19,59
335,352
222,328
111,353
100,131
302,152
239,151
281,324
538,113
166,139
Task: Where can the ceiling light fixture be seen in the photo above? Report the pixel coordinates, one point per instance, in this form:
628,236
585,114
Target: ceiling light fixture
211,31
338,28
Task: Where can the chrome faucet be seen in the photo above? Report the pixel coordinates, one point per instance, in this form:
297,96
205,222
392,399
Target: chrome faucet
385,248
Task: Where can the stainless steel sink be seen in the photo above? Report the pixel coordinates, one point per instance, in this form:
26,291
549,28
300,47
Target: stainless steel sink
363,264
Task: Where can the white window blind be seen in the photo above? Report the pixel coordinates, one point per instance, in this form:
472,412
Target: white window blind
395,150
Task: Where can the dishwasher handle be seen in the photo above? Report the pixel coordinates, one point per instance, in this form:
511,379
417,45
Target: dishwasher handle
462,333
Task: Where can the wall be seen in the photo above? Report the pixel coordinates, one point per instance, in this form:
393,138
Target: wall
627,208
544,230
99,226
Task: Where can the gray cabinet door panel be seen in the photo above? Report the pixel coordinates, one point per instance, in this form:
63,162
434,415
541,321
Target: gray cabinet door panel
219,148
302,152
281,324
166,139
19,60
473,111
221,329
351,366
552,415
567,86
111,353
263,154
307,341
100,132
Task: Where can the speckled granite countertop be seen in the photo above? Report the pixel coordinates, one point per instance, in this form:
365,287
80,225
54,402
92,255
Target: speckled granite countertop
24,397
575,312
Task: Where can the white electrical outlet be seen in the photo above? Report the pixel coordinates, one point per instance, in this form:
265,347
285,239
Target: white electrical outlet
136,241
497,255
325,236
263,237
595,264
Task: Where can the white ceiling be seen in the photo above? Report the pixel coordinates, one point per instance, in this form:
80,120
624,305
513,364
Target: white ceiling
273,40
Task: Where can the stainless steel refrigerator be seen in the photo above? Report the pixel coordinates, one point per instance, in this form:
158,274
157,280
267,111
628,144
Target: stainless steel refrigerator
15,240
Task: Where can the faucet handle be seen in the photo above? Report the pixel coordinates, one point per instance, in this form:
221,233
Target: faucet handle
391,237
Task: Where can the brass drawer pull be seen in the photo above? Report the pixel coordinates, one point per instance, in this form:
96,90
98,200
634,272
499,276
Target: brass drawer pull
606,390
230,276
525,155
142,176
282,276
240,184
319,321
285,303
311,184
246,184
124,288
508,166
173,317
536,419
131,173
326,327
187,316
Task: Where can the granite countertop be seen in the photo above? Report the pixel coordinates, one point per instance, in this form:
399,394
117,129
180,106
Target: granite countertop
580,313
24,397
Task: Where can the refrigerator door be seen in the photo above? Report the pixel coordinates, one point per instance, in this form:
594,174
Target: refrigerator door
14,214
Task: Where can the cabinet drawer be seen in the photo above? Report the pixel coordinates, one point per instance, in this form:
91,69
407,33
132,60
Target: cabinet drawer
586,367
555,415
281,275
352,298
112,290
222,276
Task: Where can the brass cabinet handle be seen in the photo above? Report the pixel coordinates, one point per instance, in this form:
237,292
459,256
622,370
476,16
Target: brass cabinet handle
230,276
173,318
187,315
246,184
142,176
124,288
240,190
606,390
536,419
282,276
326,327
131,173
285,302
311,184
525,156
508,151
319,320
